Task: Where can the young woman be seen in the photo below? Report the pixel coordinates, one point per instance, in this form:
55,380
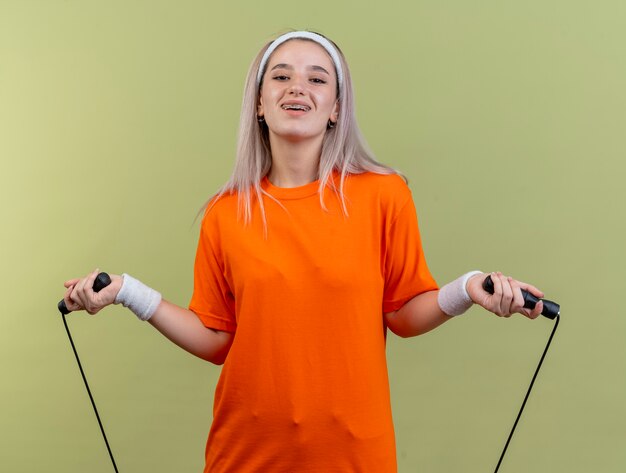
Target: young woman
306,256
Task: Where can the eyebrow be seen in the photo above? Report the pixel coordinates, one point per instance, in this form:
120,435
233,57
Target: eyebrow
290,67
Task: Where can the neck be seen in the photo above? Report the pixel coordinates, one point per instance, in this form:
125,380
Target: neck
294,163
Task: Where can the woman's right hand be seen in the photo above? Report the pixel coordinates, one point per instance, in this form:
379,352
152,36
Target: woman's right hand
81,296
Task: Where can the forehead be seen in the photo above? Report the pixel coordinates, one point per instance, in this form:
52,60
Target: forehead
301,52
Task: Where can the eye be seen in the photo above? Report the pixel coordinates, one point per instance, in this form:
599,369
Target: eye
280,77
317,80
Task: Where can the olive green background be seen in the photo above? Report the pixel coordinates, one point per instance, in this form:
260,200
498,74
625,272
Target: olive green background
118,119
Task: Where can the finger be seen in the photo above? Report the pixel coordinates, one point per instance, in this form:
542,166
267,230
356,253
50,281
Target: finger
536,312
532,289
91,279
497,293
69,303
78,294
75,302
86,284
80,284
498,290
507,295
89,293
518,298
71,282
84,289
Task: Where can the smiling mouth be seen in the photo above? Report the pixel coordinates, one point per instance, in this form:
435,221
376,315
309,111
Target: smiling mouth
298,107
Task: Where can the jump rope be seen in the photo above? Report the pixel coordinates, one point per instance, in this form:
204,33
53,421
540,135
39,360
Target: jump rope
551,310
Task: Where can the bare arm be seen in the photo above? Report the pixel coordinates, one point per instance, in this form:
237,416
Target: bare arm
418,316
180,325
185,329
422,313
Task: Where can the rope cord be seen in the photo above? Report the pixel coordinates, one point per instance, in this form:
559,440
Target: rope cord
519,415
558,318
95,409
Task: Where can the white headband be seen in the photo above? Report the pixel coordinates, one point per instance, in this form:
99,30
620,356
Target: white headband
327,45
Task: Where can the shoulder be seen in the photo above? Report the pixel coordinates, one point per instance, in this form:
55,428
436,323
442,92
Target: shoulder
390,189
220,210
392,183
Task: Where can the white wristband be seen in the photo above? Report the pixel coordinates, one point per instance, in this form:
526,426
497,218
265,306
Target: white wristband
139,298
453,298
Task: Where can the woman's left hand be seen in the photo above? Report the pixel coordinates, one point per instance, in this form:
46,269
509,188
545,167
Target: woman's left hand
507,298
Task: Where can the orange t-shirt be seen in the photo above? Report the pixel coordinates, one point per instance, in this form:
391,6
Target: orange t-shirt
304,387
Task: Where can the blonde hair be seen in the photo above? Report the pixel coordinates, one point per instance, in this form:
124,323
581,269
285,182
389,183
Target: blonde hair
343,148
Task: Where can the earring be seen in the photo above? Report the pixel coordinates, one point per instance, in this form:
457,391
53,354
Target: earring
260,118
331,124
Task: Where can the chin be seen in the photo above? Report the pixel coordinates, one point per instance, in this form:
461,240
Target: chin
298,133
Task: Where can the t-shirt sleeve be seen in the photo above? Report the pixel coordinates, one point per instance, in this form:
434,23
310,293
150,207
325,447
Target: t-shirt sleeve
212,300
406,272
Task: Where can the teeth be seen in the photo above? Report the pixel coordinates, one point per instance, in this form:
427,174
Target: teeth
294,106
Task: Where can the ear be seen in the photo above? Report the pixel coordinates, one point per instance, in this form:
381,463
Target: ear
259,107
334,116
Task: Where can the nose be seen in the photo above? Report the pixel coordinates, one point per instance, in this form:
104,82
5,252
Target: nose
296,87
